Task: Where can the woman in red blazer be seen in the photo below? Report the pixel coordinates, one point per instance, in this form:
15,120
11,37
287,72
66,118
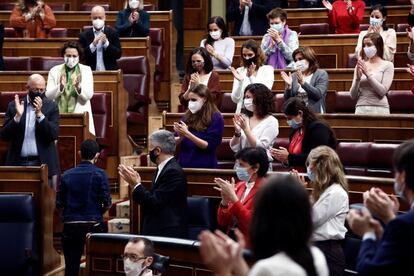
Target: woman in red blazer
236,205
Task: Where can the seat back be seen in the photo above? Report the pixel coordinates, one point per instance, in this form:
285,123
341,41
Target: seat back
199,216
87,6
314,28
7,6
17,234
402,27
354,157
344,103
352,60
9,32
278,102
380,160
17,63
225,155
58,32
227,104
45,63
401,101
157,51
57,6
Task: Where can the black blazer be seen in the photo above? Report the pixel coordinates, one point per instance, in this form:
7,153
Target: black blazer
164,207
257,15
110,54
316,134
46,133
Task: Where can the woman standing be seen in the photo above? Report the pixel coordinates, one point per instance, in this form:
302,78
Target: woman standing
133,21
201,130
345,15
252,70
199,70
330,205
373,77
308,83
257,127
218,43
378,24
308,133
71,84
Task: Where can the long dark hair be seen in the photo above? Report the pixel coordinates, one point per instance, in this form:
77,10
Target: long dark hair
201,120
208,63
282,222
262,99
383,11
221,24
292,107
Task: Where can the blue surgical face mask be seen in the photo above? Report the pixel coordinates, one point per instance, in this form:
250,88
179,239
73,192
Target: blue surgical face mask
278,27
293,124
242,174
375,21
310,174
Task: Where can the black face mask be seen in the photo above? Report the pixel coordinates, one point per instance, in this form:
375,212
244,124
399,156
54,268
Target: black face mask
249,61
152,156
34,94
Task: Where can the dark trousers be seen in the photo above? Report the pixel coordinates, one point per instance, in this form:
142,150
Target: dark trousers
73,243
334,254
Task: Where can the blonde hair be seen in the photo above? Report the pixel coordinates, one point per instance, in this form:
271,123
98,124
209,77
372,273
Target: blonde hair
327,169
140,6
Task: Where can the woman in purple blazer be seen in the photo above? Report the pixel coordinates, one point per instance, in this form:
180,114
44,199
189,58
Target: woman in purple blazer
200,131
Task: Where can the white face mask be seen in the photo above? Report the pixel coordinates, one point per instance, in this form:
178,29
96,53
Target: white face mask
248,104
132,268
98,23
215,35
375,21
133,4
71,61
195,106
302,65
370,51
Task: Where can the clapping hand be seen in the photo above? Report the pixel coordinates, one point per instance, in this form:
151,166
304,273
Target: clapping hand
361,222
237,127
374,29
299,76
362,67
227,190
236,74
275,35
78,81
241,122
327,4
62,81
129,175
287,78
19,107
251,69
38,103
281,154
300,178
381,205
181,128
410,70
210,50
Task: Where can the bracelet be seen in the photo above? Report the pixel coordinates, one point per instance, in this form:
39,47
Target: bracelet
237,134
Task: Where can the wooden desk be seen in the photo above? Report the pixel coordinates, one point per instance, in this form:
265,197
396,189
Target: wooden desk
393,128
339,80
201,183
108,82
34,181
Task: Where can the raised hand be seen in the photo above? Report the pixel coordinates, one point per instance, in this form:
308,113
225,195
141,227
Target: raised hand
410,70
62,81
38,103
327,4
227,190
129,174
251,69
210,50
19,106
236,124
236,74
287,78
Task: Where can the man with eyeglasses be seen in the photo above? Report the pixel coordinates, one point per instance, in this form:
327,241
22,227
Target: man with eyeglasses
138,257
31,125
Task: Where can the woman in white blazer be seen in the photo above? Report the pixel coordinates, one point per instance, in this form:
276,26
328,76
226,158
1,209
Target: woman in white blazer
71,84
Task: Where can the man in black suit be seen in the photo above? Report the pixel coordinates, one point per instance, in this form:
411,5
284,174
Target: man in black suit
32,126
164,207
100,43
249,16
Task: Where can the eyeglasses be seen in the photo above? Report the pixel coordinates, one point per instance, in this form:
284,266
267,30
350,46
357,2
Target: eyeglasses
132,257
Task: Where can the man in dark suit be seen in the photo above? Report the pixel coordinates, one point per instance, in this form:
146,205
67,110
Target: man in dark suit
249,16
388,251
164,207
100,43
32,126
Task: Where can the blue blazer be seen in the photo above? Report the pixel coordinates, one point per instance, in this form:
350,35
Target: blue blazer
394,253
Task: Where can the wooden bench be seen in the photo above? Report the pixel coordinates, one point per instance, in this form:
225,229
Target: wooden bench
393,128
108,82
34,181
201,183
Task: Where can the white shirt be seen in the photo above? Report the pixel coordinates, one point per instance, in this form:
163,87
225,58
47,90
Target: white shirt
281,264
329,214
161,166
225,48
249,187
265,132
265,75
100,65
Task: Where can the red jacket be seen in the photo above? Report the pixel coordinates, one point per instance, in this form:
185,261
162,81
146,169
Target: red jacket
242,211
344,21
